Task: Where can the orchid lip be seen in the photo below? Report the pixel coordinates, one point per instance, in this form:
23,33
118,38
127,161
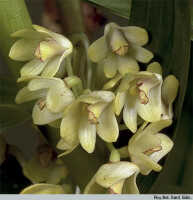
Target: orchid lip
92,118
41,104
122,50
152,150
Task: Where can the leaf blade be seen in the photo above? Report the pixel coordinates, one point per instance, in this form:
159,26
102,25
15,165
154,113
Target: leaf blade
119,7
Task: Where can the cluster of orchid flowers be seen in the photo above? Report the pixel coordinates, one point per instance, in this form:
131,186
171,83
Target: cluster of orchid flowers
141,98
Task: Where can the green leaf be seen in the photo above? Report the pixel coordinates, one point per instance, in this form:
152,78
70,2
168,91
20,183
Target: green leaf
13,17
11,115
15,122
180,178
164,19
118,7
8,90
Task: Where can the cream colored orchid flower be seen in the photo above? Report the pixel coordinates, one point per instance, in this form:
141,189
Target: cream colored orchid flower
81,116
44,49
139,93
53,96
88,114
120,48
144,93
148,146
114,178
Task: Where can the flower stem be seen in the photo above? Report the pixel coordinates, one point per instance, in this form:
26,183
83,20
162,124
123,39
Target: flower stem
110,146
122,127
81,60
72,16
73,25
70,73
114,153
13,16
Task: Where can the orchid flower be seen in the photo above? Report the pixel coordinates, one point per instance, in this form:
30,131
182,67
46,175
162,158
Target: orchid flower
139,93
148,146
146,94
89,114
43,49
115,178
119,49
81,117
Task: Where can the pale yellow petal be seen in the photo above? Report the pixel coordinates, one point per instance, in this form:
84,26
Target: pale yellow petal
90,99
62,40
29,34
144,143
169,92
98,50
154,67
25,95
152,110
130,113
141,54
106,96
86,132
127,64
107,127
58,98
166,144
135,35
23,49
110,84
96,97
43,83
117,187
41,115
43,188
155,127
145,163
119,102
110,65
111,173
52,67
70,125
33,67
126,82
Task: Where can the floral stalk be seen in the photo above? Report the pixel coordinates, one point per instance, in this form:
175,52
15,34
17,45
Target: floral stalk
72,16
